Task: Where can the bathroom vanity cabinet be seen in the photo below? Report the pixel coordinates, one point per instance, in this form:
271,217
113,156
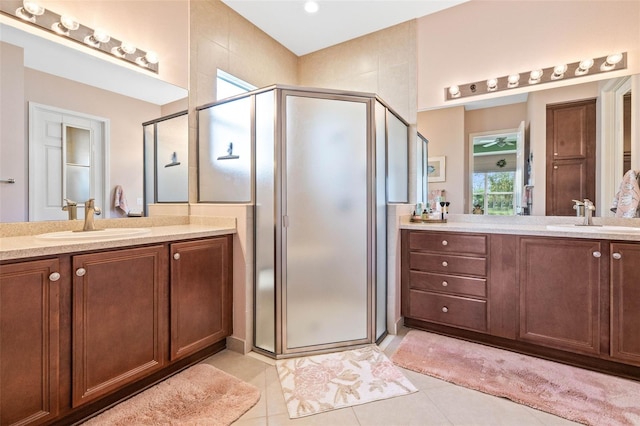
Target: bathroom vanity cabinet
574,300
84,330
625,302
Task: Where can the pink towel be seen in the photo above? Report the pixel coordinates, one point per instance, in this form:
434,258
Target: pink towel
119,200
626,201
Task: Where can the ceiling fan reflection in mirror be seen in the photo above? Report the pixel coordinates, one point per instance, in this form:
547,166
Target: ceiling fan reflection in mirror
499,141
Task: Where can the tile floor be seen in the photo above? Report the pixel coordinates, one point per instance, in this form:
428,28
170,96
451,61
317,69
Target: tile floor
436,402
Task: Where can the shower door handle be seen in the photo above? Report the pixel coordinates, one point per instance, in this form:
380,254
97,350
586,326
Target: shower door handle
285,221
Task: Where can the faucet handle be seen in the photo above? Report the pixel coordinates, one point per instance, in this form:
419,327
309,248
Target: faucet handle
588,204
578,202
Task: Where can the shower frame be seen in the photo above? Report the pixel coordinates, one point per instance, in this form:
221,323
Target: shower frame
376,230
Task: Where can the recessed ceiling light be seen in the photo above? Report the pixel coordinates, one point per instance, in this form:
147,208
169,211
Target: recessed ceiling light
311,6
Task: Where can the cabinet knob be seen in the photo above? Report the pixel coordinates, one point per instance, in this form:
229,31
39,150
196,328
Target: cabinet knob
444,283
445,309
597,254
80,272
445,242
445,263
617,256
176,256
54,276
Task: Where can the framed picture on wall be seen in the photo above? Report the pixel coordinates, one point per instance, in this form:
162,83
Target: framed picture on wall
436,169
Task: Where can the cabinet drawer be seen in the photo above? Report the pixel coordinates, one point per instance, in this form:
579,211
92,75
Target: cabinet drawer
448,283
444,242
450,310
448,264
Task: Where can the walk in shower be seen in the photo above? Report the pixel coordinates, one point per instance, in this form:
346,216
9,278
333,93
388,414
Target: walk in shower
319,167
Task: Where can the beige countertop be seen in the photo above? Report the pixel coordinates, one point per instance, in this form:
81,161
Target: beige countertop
551,226
31,245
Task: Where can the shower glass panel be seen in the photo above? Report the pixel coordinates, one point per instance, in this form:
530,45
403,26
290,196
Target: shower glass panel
381,221
325,234
398,157
166,160
224,148
172,152
265,217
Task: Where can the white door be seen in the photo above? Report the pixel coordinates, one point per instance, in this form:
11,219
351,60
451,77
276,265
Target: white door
54,173
518,184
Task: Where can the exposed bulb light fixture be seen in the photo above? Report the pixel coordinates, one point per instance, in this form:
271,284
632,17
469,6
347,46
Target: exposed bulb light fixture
146,60
98,36
123,50
29,11
513,80
558,72
66,24
523,80
311,6
611,62
535,76
584,66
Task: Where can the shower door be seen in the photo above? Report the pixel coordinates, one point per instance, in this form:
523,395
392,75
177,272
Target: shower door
326,217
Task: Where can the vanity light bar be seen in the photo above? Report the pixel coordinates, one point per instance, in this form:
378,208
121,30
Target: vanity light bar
617,61
66,26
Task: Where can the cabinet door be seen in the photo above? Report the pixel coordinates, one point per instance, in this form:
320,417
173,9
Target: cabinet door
200,294
29,324
119,335
560,293
625,309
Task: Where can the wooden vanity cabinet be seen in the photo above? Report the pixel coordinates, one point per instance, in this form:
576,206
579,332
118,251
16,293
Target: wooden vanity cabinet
625,299
445,279
118,319
200,293
29,349
560,293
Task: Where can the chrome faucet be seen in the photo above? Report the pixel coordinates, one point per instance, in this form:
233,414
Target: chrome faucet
72,208
89,210
589,208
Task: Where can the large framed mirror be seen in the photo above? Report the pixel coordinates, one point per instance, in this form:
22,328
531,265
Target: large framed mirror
44,69
616,149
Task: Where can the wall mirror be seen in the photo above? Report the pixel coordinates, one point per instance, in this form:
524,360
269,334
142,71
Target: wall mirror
39,71
614,142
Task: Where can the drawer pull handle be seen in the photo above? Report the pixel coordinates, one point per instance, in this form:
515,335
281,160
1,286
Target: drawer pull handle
617,256
445,309
54,276
80,272
176,256
445,242
445,263
597,254
444,283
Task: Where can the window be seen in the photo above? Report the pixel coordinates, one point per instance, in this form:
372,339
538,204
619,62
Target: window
228,85
493,192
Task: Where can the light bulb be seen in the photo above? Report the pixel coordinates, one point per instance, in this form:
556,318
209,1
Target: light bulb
98,36
149,58
558,72
29,11
584,66
123,50
513,80
611,62
535,76
311,6
66,24
492,85
454,91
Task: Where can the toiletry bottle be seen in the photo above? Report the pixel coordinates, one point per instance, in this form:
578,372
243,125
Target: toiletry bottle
425,215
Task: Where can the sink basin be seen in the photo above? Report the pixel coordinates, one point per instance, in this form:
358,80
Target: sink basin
99,235
595,229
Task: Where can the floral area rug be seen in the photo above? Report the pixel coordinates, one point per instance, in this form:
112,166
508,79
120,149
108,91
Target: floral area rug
574,393
320,383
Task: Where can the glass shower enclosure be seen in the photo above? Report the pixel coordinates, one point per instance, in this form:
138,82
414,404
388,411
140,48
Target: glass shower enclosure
319,167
